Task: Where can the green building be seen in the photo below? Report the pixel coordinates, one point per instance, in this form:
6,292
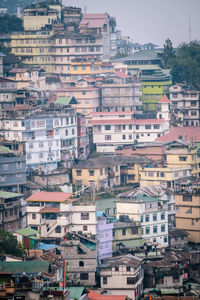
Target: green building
145,64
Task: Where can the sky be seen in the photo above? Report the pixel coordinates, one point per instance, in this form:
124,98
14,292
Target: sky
149,20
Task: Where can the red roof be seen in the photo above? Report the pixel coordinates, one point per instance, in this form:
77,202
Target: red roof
50,210
93,20
110,122
191,134
165,100
122,74
19,70
49,197
149,121
127,121
96,296
99,113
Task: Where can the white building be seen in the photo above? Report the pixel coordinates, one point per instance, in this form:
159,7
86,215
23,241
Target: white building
122,275
112,129
56,213
150,210
50,136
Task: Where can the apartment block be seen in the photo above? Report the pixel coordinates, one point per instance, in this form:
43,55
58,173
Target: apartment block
8,89
186,104
122,275
152,212
46,134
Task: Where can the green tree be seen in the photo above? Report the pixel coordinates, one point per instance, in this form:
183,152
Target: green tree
168,54
186,66
8,24
10,245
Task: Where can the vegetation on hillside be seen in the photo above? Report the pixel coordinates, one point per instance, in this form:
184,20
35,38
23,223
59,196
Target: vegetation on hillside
10,245
8,24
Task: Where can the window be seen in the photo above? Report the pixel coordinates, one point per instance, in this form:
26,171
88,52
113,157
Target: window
130,280
141,218
84,276
78,172
156,126
182,158
11,212
41,144
162,174
123,136
85,228
128,269
116,269
40,155
162,216
187,198
155,229
146,218
137,127
107,137
85,216
123,127
81,263
107,127
163,228
165,239
130,127
134,230
5,166
91,172
33,216
130,136
151,174
58,229
31,146
105,281
147,230
73,131
2,178
124,231
147,126
155,216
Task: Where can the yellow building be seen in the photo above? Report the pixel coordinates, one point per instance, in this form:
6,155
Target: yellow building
188,214
179,154
168,176
108,171
38,15
34,48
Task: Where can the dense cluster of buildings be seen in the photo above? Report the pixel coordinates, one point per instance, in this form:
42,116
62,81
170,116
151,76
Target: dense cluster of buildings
99,163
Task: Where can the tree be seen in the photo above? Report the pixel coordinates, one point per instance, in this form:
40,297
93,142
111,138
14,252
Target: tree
10,245
168,54
186,66
8,24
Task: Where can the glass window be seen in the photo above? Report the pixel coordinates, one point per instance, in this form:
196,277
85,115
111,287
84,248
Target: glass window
146,218
163,228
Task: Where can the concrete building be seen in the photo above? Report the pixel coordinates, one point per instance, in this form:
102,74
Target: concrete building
122,275
187,213
120,92
1,63
151,211
104,236
108,171
178,238
12,170
127,235
47,135
12,211
81,255
186,104
8,89
103,26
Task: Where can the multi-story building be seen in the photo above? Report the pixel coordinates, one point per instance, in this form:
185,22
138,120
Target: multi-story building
103,26
88,98
152,212
108,171
82,136
120,92
12,170
127,234
104,236
186,103
80,252
13,215
46,134
1,63
167,176
113,129
188,213
122,275
8,89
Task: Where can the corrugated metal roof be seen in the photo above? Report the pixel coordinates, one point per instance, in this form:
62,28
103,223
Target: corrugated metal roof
27,231
191,134
8,195
23,267
49,197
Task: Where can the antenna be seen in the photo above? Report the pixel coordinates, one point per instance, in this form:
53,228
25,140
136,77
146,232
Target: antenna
190,30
